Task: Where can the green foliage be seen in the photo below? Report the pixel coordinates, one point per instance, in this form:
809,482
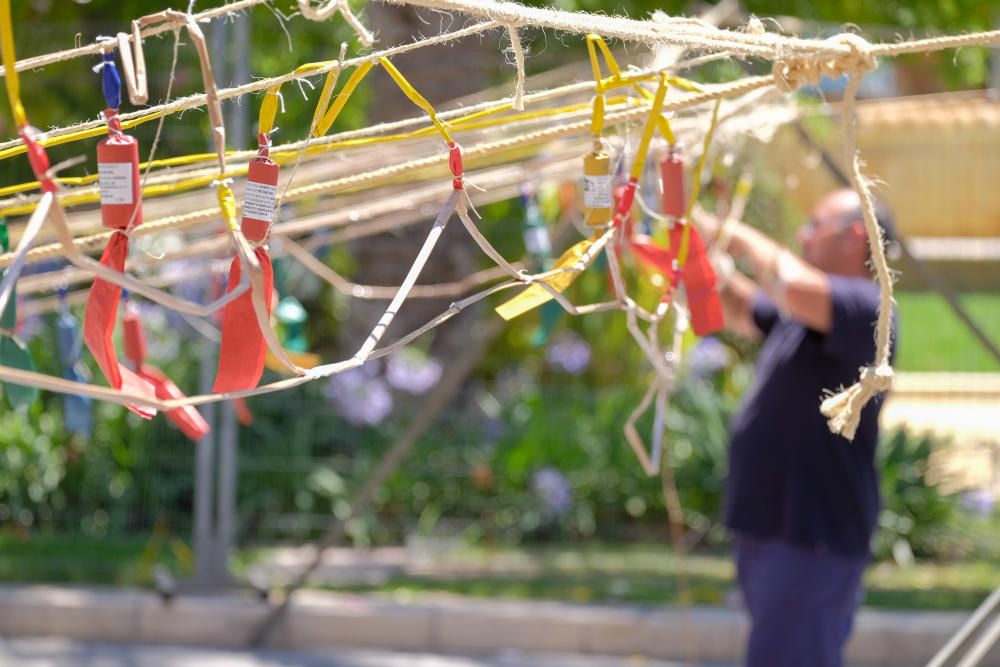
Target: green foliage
917,518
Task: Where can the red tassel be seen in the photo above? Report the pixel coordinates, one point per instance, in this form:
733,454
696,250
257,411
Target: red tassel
187,419
243,414
241,356
99,325
699,283
654,257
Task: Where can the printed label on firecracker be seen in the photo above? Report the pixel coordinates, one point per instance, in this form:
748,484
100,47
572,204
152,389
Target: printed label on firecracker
536,241
597,191
258,201
115,180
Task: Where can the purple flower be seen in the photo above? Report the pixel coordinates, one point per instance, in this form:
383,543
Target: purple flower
980,501
568,353
359,396
412,370
708,357
553,492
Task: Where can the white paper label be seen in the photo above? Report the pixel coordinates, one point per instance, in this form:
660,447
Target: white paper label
536,240
258,201
597,191
115,180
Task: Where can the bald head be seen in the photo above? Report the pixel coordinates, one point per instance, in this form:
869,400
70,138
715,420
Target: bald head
835,239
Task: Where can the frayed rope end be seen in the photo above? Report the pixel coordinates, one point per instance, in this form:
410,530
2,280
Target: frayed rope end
844,409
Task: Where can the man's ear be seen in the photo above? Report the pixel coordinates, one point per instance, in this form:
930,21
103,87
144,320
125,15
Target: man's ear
857,232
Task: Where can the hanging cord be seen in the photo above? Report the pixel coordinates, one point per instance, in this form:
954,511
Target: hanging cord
323,12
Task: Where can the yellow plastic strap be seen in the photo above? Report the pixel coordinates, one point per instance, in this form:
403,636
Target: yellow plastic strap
268,110
464,123
227,203
10,63
682,252
700,168
415,97
597,118
536,295
300,359
331,114
647,133
668,132
595,66
324,99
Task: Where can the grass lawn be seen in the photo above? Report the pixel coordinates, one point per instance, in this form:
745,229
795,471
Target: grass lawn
647,574
932,338
87,560
644,573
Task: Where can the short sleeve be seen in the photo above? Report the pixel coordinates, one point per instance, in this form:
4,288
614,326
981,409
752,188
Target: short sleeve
854,303
764,313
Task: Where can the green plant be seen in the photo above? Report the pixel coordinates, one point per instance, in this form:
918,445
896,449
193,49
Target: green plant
917,517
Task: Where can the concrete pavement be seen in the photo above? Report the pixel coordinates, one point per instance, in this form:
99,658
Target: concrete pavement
322,621
64,653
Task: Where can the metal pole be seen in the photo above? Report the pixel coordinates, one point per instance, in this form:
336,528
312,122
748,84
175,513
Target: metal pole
233,60
226,496
982,645
978,616
204,476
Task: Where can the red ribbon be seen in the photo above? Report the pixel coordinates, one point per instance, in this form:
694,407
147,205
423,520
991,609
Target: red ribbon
99,325
242,410
241,355
187,419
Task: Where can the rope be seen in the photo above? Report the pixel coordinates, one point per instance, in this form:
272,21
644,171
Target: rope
515,45
844,409
96,128
381,174
688,33
102,45
323,12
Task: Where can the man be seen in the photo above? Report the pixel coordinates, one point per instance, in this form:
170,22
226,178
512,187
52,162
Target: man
801,501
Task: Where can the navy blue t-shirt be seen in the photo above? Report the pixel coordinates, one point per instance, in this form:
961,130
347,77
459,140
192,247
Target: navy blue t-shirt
789,476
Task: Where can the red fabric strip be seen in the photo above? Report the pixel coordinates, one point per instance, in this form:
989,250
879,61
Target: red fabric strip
187,419
99,325
241,356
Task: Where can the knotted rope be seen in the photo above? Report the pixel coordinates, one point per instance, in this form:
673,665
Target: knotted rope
844,409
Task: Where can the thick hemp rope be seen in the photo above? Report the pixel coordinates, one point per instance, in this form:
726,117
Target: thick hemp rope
844,408
379,175
518,49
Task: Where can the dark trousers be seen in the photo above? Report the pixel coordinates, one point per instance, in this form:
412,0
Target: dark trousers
801,603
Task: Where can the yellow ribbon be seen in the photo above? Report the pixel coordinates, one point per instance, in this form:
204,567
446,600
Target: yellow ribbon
227,204
10,63
323,120
415,97
268,110
536,295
